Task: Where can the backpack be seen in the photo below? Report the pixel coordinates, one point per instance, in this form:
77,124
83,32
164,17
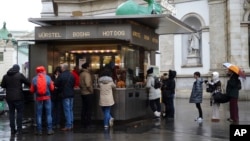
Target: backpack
157,83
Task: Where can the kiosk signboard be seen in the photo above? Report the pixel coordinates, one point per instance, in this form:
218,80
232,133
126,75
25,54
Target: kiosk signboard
137,35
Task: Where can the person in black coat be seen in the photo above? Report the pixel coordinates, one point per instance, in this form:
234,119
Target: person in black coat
12,82
65,84
168,92
232,90
56,100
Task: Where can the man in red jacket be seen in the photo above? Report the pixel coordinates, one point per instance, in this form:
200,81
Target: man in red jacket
41,86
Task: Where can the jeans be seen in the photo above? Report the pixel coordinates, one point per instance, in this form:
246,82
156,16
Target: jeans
15,107
107,115
68,112
86,113
39,112
56,112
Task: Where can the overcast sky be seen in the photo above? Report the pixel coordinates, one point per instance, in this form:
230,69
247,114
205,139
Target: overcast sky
16,13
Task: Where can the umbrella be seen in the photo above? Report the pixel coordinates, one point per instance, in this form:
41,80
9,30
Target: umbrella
235,69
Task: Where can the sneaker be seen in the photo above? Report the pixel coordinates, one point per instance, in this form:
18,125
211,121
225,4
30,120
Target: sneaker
111,122
198,119
51,132
163,114
157,114
106,127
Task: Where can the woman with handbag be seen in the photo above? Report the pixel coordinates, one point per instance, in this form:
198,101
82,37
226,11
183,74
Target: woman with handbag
214,86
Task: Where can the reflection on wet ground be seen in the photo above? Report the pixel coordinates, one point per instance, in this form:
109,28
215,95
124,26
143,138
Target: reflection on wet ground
182,128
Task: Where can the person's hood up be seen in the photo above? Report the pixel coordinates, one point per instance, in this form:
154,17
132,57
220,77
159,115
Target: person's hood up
12,71
171,74
215,77
105,79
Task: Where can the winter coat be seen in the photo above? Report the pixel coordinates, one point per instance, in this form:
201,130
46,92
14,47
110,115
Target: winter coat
169,83
77,78
106,93
153,93
12,82
233,86
86,82
197,91
65,84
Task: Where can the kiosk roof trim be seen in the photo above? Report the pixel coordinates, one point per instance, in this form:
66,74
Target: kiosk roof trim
163,24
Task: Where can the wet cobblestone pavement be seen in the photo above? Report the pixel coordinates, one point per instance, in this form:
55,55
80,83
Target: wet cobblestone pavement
182,128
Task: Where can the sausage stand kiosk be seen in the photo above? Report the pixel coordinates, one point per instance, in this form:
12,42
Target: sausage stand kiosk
128,42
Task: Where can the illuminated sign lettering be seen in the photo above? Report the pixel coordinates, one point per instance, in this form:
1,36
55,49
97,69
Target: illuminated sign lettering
136,34
113,33
49,35
80,34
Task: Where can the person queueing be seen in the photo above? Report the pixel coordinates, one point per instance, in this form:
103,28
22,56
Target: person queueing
12,83
168,93
214,86
75,73
154,94
65,84
56,100
41,86
87,95
232,90
197,95
106,100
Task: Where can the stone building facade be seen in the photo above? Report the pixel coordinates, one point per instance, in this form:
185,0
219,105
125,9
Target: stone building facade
222,36
14,50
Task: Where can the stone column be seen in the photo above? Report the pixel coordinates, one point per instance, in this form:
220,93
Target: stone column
218,33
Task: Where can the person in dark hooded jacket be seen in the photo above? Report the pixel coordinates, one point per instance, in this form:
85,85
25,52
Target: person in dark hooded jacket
12,82
168,92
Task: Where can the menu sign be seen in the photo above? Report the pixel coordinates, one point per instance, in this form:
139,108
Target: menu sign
135,34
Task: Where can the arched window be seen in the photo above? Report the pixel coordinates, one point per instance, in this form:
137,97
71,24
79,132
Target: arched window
191,43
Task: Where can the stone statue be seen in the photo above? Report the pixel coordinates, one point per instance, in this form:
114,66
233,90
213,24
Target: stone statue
132,8
246,7
194,43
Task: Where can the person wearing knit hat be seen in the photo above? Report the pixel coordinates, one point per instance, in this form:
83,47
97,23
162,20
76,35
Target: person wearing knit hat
12,82
16,67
